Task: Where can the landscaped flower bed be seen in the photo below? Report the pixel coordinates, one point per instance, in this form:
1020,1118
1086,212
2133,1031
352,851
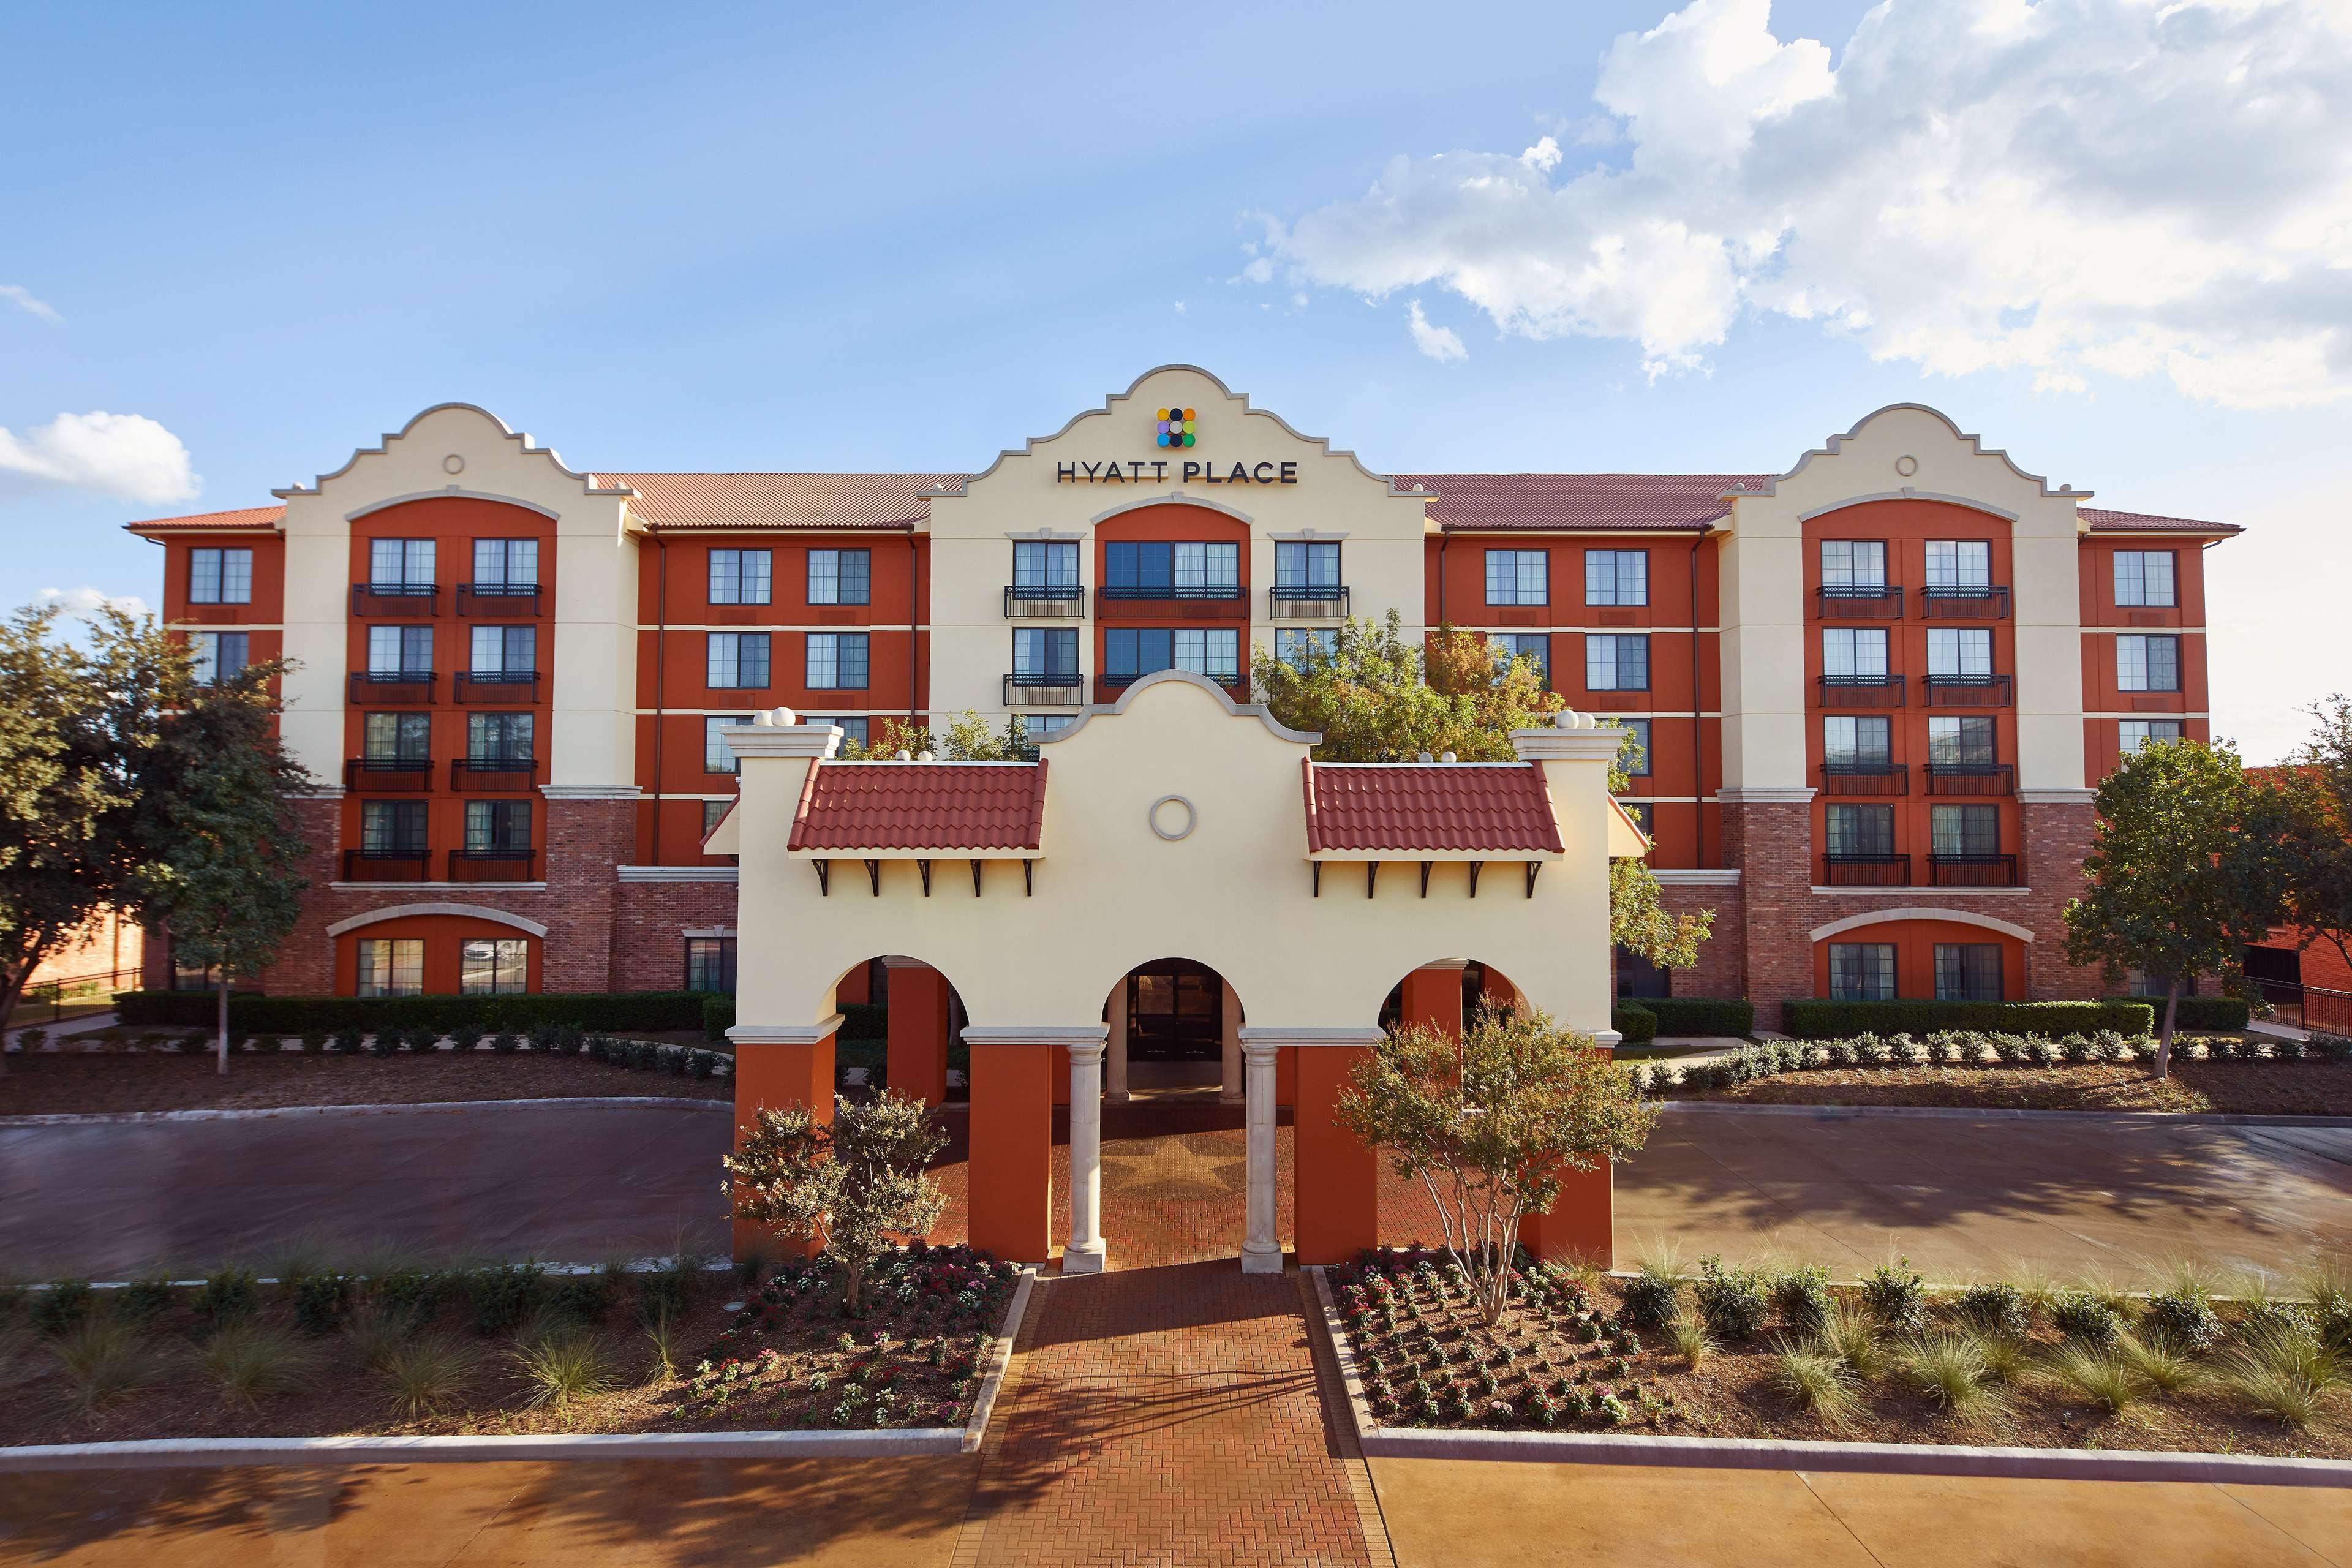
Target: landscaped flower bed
1731,1352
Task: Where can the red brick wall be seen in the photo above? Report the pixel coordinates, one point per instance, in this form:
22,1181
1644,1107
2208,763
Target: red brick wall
650,920
1771,842
2057,835
1722,958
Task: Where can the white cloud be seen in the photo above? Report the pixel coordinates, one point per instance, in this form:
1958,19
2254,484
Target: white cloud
125,455
83,601
2072,187
1440,344
23,296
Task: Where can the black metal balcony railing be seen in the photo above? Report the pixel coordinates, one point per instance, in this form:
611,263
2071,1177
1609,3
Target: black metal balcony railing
490,775
1854,870
395,599
1325,602
1881,603
1045,688
1046,602
491,865
1865,778
388,775
1861,691
498,599
1225,603
387,865
1967,690
392,687
1950,870
494,685
1964,603
1972,778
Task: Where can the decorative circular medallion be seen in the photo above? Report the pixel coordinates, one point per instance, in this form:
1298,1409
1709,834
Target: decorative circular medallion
1191,818
453,464
1907,466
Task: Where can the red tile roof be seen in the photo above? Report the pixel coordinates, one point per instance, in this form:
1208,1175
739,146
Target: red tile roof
952,807
243,517
1630,502
780,501
1404,806
2102,521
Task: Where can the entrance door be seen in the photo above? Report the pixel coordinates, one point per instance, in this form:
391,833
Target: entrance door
1175,1013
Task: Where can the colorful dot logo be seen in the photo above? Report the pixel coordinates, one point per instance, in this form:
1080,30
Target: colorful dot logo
1175,427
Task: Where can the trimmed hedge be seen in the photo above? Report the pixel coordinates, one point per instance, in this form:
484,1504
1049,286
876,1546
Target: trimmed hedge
253,1014
1634,1023
1811,1019
1732,1017
859,1020
2199,1012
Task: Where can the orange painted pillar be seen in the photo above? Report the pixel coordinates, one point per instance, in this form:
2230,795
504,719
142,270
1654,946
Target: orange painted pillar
1335,1178
1286,1076
1433,997
917,1063
1012,1141
1582,1226
775,1075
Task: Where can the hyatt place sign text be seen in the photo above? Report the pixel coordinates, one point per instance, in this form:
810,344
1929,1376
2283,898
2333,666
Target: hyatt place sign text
1159,471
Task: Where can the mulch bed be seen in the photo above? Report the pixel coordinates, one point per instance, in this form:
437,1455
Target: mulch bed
45,1083
2254,1089
1570,1347
793,1359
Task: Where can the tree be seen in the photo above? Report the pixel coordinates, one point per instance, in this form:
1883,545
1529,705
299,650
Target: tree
1489,1123
2184,870
853,1186
2312,798
968,740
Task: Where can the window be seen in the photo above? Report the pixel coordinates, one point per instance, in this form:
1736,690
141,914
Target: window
1634,766
187,976
1641,811
499,737
716,757
2138,732
1964,830
505,562
1298,645
1959,653
493,967
1962,563
1616,576
1959,742
1518,577
1968,971
1854,653
1533,647
1045,564
712,810
1617,663
1215,653
392,826
1045,651
392,967
840,577
854,729
1863,741
1159,569
397,563
505,651
1860,829
400,650
2143,578
219,654
1207,568
710,964
397,737
1853,564
1861,971
837,661
1046,726
1130,653
220,576
739,576
737,660
2148,663
502,826
1310,566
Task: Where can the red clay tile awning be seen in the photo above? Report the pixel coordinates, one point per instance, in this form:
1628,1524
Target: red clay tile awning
1403,808
954,808
243,519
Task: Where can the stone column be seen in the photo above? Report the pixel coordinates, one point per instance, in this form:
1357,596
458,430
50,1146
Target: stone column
1085,1253
1232,1092
1262,1245
1117,1089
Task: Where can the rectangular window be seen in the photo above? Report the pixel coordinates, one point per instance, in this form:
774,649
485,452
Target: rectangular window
1298,645
1968,971
1964,830
219,654
854,728
392,827
837,661
710,964
1853,564
497,824
1046,563
1046,726
400,650
398,737
1860,829
392,967
1045,650
505,562
1616,576
1862,742
1958,652
499,737
220,576
737,660
1140,568
840,577
712,810
1959,742
1635,766
1132,652
1854,653
505,651
1959,563
2148,663
1207,568
493,967
1533,647
400,564
1616,663
2143,578
1861,971
1301,565
716,757
1643,813
739,576
2138,732
1518,577
1214,652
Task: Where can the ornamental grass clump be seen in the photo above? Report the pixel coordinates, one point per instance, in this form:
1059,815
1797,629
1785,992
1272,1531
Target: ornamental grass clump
101,1360
1691,1341
2164,1365
562,1369
425,1375
2102,1375
1817,1382
249,1361
1950,1370
1853,1338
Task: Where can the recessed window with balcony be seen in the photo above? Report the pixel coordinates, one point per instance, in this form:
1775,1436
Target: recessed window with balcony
1959,581
502,665
1964,847
1858,756
1959,669
1853,669
1854,582
505,579
1963,757
395,754
498,843
399,665
399,581
500,753
393,845
1858,847
1306,585
1045,668
1046,584
1130,653
1191,578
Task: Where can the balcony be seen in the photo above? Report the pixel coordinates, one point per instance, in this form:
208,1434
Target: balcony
505,686
388,775
1848,870
1972,870
1967,691
1173,604
1054,688
1059,602
1972,778
1231,680
493,775
506,600
1964,603
387,865
1881,603
1861,691
391,687
1865,778
411,599
491,865
1326,603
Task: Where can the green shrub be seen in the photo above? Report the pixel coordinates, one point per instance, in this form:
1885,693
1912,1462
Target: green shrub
2083,1317
1732,1303
1997,1308
1801,1297
383,1042
717,1016
580,1300
1896,1297
2184,1318
344,1041
1724,1015
61,1308
2200,1012
1653,1300
503,1295
506,1042
543,1035
1813,1019
467,1037
424,1040
1634,1023
228,1294
320,1300
144,1300
258,1014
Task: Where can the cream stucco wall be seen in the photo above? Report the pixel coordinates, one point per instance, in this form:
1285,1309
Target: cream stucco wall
1235,893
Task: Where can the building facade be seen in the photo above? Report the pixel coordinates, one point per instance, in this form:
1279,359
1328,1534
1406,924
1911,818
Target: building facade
1874,691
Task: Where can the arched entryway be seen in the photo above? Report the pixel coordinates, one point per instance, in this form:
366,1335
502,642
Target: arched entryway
1174,1030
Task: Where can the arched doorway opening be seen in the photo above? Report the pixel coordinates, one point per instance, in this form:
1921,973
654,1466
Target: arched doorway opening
1174,1033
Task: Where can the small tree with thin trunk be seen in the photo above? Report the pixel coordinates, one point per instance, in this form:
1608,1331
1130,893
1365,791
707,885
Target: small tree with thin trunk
1489,1124
2312,794
855,1185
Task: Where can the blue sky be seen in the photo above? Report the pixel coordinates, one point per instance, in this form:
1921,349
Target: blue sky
780,237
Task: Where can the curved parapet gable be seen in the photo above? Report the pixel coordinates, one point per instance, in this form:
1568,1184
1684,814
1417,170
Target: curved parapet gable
387,442
1836,446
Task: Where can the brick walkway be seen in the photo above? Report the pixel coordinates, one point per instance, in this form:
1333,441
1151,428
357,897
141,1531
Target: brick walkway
1167,1416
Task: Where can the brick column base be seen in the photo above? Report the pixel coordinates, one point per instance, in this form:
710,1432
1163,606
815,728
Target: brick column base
2055,827
1768,834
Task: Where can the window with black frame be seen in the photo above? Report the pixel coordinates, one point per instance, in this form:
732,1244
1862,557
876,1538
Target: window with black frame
392,827
1860,830
1305,570
503,739
1968,971
493,967
741,576
395,737
503,564
711,964
1043,655
497,827
1045,569
1861,971
840,577
1964,830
